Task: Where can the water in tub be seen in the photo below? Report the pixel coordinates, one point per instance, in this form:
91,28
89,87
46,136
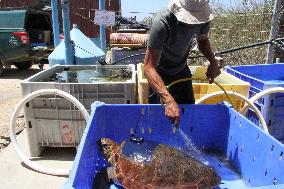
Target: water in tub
93,75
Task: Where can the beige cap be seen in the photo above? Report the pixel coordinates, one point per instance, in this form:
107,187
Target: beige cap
191,11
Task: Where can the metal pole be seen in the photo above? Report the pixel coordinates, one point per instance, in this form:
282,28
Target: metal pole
274,29
69,57
55,22
102,27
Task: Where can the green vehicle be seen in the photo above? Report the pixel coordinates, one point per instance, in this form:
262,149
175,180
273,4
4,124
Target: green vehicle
25,38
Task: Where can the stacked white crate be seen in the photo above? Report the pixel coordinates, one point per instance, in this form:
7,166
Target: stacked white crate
55,122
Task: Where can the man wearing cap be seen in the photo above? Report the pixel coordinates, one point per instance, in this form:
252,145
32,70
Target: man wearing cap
172,36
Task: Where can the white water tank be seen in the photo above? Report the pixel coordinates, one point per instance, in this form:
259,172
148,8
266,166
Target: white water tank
86,52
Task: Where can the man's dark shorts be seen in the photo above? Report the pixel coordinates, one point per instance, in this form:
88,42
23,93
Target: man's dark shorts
181,92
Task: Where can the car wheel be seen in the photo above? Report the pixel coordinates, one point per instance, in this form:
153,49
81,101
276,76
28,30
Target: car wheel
24,65
41,63
40,66
1,68
8,66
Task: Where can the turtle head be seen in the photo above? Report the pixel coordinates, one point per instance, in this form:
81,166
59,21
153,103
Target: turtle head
108,147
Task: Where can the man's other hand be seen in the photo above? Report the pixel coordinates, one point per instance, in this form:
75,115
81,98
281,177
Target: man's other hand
213,70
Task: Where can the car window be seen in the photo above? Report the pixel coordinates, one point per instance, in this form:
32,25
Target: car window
12,19
38,22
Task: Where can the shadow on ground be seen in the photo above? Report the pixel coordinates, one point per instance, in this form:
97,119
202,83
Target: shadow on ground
14,73
58,154
54,154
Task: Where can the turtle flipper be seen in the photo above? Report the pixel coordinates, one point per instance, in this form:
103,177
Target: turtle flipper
101,180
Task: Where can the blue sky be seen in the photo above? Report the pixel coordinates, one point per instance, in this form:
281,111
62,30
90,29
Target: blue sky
149,6
143,6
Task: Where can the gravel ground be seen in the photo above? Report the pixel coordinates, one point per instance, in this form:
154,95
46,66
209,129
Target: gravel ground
10,95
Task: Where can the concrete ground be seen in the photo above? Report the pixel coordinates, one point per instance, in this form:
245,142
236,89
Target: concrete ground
10,96
16,175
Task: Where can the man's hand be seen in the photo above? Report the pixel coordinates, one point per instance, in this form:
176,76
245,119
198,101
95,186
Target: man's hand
213,70
172,111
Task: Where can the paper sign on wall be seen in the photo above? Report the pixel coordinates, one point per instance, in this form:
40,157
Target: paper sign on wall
103,17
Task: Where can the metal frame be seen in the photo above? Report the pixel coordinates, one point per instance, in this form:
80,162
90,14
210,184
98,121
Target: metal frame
274,29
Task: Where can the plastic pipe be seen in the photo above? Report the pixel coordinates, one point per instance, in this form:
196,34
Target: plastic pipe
199,79
55,23
218,93
27,161
102,27
262,94
69,54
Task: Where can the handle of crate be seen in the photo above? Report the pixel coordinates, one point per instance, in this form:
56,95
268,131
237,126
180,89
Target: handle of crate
24,158
250,104
260,95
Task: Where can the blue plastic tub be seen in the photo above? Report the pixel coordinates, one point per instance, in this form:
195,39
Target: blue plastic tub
246,158
263,77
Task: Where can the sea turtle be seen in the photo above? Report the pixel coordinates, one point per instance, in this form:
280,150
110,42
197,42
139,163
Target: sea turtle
150,165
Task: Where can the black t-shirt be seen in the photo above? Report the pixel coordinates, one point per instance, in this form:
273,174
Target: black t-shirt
175,39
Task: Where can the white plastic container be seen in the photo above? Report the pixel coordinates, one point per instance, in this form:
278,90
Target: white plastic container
53,121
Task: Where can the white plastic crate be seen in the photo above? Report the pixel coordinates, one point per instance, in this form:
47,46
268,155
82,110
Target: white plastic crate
54,121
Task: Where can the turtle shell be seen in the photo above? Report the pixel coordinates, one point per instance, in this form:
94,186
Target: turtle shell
139,152
152,165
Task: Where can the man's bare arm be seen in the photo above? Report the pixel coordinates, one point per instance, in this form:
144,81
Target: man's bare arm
152,58
205,48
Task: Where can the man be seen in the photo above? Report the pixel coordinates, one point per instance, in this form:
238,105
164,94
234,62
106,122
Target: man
172,36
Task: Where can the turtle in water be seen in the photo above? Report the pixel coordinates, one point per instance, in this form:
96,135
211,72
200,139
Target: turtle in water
150,165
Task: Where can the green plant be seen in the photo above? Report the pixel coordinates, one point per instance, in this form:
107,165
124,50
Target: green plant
238,25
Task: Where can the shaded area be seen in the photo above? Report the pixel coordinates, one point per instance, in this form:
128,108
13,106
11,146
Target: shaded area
54,154
14,73
58,154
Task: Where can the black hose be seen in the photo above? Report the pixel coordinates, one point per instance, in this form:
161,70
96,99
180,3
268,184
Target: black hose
103,62
127,57
272,41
